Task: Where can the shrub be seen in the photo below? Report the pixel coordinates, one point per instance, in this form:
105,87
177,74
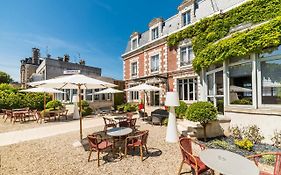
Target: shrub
87,111
202,112
253,134
121,107
276,139
244,144
127,107
84,104
243,101
181,110
219,144
165,122
236,132
53,104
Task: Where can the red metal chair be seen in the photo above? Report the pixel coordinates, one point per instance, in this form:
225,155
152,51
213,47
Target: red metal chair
138,140
197,166
277,164
96,143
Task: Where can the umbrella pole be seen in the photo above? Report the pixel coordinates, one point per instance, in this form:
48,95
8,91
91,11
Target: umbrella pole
80,111
44,104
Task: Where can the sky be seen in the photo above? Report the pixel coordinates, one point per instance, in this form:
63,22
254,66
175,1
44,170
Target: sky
97,30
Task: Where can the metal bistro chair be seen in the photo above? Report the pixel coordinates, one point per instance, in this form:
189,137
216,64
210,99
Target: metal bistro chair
277,163
197,166
96,143
108,123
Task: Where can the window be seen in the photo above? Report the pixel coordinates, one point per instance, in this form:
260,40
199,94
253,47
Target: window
134,69
187,89
271,81
96,96
154,33
186,55
155,63
240,84
186,18
134,44
89,96
134,95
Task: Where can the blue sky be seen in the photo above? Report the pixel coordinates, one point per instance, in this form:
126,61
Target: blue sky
97,29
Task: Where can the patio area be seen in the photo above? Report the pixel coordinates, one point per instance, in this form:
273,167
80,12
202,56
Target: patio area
56,155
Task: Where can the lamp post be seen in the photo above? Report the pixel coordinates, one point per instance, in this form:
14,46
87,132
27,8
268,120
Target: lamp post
76,111
172,100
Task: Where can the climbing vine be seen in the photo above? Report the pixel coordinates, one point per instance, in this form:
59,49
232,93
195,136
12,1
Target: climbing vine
209,41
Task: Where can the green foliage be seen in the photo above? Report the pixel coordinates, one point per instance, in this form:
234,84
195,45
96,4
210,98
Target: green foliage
219,144
202,112
5,78
243,101
276,139
268,159
220,106
181,110
207,35
244,144
253,134
54,104
127,107
236,132
86,109
165,122
118,99
10,98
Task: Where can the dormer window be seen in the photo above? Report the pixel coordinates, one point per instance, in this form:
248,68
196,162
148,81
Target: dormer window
155,33
186,18
134,43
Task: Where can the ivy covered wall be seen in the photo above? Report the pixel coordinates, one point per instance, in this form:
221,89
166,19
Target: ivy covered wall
212,42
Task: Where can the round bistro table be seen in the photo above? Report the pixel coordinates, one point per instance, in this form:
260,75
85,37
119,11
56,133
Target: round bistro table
228,163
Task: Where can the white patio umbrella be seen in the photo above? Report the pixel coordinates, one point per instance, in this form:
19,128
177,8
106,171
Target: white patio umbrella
43,90
144,88
109,91
76,81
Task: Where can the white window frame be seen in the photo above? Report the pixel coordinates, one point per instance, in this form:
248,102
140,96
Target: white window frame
132,69
185,23
195,88
189,55
151,63
153,35
136,38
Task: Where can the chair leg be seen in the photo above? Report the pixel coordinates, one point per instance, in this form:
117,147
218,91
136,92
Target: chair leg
89,155
141,154
180,167
98,158
126,149
146,149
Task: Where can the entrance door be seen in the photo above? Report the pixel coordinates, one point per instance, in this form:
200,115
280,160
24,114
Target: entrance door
155,97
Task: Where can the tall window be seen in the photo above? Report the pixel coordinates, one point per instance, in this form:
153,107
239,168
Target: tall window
187,89
134,69
89,95
133,95
155,63
134,44
154,33
240,87
186,55
186,18
96,96
271,81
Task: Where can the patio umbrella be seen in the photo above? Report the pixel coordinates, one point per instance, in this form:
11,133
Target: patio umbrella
144,88
42,90
76,81
109,91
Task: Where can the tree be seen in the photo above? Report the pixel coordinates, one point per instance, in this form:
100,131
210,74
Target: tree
202,112
5,78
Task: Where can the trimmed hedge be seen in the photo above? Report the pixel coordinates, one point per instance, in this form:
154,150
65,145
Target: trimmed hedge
53,104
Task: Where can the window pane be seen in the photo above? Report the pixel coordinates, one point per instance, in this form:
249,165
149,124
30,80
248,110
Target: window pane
219,82
180,89
271,82
191,90
210,84
240,89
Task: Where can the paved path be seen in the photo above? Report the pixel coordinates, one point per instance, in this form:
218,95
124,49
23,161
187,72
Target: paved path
13,137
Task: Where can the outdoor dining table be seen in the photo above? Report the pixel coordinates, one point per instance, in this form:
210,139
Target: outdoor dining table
228,163
118,133
19,114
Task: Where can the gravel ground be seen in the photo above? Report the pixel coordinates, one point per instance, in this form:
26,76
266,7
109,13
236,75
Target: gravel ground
56,155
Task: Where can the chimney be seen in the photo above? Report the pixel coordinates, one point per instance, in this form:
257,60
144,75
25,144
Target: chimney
35,56
66,58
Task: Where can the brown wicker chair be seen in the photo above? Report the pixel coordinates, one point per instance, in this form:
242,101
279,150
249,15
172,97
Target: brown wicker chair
108,123
8,114
96,143
197,166
277,165
138,140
